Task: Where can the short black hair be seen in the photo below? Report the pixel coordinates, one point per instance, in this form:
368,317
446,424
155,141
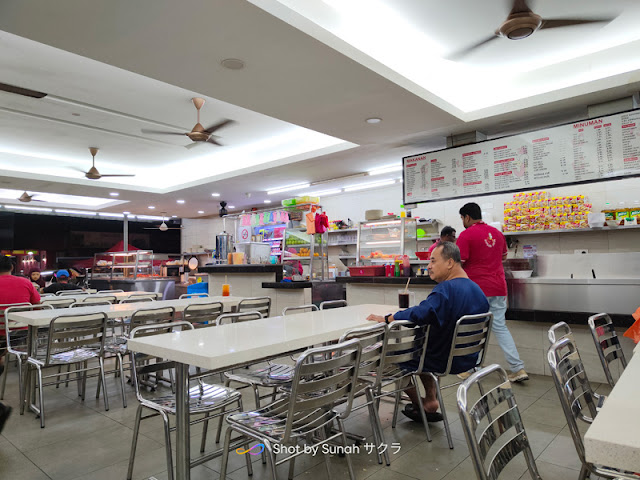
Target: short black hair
471,209
447,231
5,263
450,251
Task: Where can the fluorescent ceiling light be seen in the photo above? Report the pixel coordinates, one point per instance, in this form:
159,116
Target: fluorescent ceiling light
151,207
267,201
288,188
74,212
180,201
215,194
148,217
200,211
32,209
364,186
387,169
232,206
323,193
111,215
114,194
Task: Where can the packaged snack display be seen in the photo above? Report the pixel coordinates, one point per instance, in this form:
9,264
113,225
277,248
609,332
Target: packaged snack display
539,211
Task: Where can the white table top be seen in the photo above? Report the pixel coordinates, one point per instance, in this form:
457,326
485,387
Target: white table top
119,295
227,345
613,440
41,318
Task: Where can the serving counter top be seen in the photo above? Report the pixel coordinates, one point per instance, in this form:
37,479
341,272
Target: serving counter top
258,268
575,281
287,285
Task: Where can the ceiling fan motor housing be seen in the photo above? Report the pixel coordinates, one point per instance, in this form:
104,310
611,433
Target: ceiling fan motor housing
520,25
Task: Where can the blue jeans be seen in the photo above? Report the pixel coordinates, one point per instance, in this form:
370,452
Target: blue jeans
498,306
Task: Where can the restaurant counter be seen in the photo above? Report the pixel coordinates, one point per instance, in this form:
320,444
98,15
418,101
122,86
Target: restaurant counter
164,285
361,290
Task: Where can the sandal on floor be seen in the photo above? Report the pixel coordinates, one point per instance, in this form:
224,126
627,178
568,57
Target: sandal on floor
412,412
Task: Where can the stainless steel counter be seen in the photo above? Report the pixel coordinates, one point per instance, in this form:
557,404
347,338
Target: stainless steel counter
164,285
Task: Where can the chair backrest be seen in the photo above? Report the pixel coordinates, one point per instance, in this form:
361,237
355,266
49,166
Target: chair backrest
607,344
153,295
77,291
332,304
300,309
42,295
559,331
58,302
573,387
405,342
238,317
89,304
71,332
143,364
7,325
194,295
98,300
137,299
4,306
203,314
110,291
470,336
322,378
152,316
492,424
371,340
256,304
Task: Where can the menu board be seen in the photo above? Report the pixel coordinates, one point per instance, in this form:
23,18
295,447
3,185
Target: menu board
586,151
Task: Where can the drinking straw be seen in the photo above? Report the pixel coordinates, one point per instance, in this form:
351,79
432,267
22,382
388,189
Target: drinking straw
406,288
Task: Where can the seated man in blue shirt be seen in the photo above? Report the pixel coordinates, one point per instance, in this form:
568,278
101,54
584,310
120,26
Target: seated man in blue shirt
453,297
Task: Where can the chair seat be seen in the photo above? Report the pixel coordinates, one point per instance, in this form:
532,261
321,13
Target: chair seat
270,421
203,398
275,375
116,345
72,356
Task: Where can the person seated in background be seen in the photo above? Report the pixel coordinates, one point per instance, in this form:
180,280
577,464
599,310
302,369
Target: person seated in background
13,289
36,279
453,297
447,234
62,283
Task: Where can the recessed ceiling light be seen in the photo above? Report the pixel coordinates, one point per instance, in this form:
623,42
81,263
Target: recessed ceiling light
127,213
232,63
267,201
232,206
180,201
114,194
215,194
174,216
200,211
151,207
374,120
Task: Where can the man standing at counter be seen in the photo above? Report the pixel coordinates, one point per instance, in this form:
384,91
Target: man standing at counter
482,250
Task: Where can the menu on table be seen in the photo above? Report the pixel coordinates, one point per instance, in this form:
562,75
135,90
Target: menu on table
586,151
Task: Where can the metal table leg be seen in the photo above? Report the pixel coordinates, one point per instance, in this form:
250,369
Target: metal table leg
183,454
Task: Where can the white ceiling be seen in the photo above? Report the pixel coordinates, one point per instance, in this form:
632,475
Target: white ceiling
315,70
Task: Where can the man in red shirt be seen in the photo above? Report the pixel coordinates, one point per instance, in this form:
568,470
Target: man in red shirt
12,290
482,250
447,234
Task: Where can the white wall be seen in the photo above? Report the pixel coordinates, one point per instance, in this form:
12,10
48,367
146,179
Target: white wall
196,232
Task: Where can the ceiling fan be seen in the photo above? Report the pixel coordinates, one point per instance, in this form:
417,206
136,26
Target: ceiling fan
198,133
163,227
522,23
93,173
26,198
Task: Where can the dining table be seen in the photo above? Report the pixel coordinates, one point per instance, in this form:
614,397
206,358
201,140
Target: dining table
240,344
613,439
79,297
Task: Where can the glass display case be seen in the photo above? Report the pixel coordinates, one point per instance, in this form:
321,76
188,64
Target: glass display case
120,265
381,241
309,250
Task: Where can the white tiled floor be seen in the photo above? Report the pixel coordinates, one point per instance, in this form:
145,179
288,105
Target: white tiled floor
82,441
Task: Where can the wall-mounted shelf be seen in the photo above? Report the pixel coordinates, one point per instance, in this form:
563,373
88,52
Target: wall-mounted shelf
572,230
343,230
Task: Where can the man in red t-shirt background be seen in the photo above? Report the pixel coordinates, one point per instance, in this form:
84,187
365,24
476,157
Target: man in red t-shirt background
482,250
12,290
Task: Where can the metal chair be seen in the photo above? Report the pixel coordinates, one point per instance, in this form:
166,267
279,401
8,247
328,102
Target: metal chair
607,344
194,295
309,411
238,317
559,331
300,309
203,314
488,420
471,336
332,304
110,291
18,346
98,300
68,341
137,299
578,401
78,291
58,302
255,304
210,400
154,295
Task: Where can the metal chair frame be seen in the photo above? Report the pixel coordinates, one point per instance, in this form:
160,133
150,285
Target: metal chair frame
110,291
239,317
576,396
212,401
203,314
607,344
309,411
69,342
137,299
78,291
300,309
260,304
194,295
58,302
494,415
328,304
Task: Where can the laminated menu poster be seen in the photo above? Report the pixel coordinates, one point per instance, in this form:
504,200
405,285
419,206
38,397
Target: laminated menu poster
586,151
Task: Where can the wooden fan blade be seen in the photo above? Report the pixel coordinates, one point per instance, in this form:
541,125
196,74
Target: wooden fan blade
160,132
193,145
218,126
114,175
570,22
465,51
520,6
214,141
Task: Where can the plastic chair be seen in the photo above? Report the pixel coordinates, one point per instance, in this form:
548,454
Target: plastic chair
607,344
69,339
487,421
578,402
203,314
300,309
210,400
309,411
332,304
259,304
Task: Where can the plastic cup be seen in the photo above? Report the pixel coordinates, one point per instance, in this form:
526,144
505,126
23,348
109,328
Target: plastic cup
226,289
406,299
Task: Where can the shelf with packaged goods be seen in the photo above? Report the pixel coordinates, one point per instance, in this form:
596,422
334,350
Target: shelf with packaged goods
572,230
